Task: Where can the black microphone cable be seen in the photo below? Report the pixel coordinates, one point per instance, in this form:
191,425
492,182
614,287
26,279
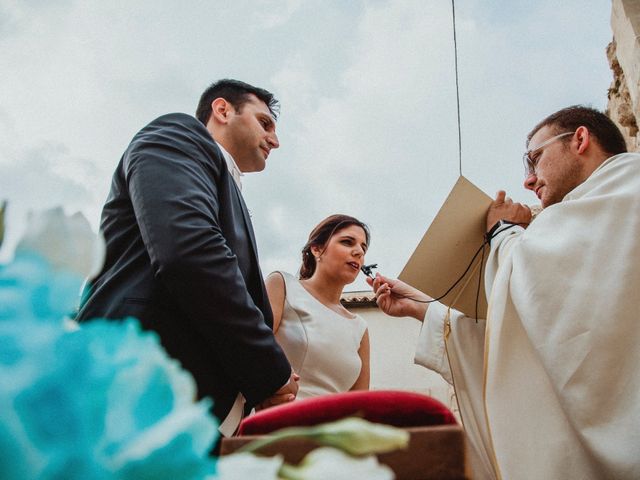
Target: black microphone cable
366,269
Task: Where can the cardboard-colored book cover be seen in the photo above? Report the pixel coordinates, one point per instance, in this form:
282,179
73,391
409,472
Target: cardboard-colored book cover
447,248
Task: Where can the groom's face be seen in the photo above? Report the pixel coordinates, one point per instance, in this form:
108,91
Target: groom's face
251,134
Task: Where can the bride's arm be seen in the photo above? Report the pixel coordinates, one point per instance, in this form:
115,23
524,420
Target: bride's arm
276,292
362,383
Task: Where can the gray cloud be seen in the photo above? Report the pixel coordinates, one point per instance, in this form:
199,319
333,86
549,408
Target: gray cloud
39,177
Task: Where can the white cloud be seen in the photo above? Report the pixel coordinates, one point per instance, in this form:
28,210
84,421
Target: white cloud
274,13
358,151
368,124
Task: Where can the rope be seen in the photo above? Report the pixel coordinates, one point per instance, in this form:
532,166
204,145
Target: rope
455,56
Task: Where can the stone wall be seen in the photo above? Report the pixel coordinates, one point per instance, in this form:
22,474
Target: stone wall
624,58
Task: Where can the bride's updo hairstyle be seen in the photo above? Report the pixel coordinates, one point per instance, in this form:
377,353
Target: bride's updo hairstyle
320,236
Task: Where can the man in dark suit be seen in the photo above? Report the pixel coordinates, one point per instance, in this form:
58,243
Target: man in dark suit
181,254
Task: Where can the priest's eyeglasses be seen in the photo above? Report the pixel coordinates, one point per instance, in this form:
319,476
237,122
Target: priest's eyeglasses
530,161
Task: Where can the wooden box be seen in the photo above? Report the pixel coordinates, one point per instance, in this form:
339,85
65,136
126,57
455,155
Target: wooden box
433,453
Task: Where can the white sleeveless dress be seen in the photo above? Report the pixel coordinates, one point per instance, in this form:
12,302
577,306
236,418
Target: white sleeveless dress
321,345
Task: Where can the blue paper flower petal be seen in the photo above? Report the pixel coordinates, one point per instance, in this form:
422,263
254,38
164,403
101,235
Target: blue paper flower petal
104,401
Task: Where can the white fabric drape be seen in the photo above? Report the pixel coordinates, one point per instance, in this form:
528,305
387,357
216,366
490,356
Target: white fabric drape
560,378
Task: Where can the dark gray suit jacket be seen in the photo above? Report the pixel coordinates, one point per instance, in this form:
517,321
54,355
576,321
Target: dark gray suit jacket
181,257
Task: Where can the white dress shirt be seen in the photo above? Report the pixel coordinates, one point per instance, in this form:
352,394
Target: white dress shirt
232,166
230,424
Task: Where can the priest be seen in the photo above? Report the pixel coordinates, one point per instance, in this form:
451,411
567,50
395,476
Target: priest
549,385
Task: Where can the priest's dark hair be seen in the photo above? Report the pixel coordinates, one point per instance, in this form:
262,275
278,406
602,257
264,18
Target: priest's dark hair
237,94
599,125
321,234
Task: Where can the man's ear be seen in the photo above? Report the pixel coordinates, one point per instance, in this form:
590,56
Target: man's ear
220,110
584,138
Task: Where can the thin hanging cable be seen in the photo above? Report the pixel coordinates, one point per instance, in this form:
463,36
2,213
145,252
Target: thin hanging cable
480,280
455,56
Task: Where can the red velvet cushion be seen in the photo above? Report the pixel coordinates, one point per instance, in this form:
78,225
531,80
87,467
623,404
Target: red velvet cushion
400,409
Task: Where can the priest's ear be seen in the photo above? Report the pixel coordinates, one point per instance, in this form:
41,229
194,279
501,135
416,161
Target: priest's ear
583,137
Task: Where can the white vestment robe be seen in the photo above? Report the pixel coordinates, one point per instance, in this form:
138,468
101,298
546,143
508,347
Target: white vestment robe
549,388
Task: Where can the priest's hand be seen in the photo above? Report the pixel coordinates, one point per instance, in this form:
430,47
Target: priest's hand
398,299
503,208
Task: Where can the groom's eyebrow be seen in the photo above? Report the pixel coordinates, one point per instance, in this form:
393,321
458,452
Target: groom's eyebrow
268,118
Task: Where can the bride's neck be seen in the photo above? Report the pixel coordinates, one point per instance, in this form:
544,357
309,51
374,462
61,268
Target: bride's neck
324,290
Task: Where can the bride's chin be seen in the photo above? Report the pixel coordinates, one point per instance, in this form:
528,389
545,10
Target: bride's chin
352,279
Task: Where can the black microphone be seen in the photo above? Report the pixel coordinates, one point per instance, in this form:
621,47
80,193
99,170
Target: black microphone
367,269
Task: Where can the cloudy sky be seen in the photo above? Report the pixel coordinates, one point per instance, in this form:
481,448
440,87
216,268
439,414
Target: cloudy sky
368,119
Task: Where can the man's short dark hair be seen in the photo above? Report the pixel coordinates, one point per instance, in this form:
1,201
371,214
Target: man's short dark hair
237,94
599,125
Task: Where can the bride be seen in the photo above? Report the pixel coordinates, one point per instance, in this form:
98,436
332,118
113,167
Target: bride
327,345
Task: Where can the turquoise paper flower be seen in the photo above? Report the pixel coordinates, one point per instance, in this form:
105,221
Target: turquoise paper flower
100,402
52,259
31,290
